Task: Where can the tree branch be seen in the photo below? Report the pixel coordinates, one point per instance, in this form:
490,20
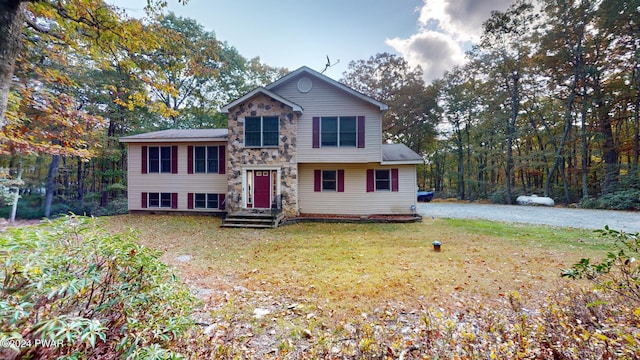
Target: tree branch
41,29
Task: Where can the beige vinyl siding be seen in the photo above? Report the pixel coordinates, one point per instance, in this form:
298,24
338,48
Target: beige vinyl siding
327,100
355,200
181,183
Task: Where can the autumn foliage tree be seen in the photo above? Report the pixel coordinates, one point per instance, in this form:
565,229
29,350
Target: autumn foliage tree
555,110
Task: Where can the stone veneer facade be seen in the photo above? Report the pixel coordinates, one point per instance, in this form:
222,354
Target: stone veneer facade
284,156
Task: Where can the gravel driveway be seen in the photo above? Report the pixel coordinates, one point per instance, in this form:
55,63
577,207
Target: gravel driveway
563,217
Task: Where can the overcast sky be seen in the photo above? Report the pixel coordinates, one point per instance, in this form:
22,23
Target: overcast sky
292,33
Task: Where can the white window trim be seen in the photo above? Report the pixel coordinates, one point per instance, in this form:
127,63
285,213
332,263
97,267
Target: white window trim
206,159
261,133
375,180
338,132
159,200
206,201
159,147
322,189
261,168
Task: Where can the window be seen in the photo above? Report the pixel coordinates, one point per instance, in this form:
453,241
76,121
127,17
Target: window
205,201
338,131
383,180
205,159
159,159
329,180
261,131
160,200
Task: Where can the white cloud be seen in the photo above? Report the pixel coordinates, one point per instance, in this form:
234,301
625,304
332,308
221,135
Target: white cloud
461,19
435,52
445,27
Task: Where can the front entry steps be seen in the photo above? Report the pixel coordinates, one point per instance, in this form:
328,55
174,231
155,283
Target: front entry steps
257,219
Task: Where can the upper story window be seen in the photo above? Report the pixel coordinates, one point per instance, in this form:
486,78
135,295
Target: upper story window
261,131
205,159
338,131
160,159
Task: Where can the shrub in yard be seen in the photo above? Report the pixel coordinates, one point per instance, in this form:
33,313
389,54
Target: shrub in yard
84,293
626,197
619,272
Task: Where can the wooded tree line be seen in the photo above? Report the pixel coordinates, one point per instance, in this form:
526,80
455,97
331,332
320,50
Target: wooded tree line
547,102
86,74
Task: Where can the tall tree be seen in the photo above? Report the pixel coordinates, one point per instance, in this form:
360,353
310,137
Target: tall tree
505,51
411,118
68,21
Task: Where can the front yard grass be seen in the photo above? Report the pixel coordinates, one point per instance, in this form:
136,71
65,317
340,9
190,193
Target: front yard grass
355,268
379,291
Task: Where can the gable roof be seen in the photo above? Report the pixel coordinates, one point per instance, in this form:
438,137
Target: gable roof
399,154
261,90
310,72
179,135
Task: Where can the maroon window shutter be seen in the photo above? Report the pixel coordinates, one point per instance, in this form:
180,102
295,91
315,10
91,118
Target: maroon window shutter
190,160
221,201
316,132
174,200
221,160
144,159
174,159
361,132
340,180
190,201
317,180
370,181
394,179
144,200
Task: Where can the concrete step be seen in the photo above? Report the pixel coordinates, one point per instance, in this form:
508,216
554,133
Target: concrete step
247,225
249,220
252,220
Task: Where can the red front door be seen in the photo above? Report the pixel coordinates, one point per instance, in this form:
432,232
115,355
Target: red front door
262,189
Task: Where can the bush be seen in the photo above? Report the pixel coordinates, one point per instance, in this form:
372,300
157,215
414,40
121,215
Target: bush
87,293
499,196
30,207
619,272
628,199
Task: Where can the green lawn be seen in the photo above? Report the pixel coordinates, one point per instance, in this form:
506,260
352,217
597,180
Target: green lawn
353,268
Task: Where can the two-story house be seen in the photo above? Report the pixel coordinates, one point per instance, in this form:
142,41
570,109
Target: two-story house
305,144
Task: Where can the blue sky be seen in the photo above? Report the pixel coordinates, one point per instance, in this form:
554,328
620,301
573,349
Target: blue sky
291,33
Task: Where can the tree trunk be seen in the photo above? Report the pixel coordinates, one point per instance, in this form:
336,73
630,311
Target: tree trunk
609,150
636,118
585,147
11,14
80,181
51,184
511,129
14,204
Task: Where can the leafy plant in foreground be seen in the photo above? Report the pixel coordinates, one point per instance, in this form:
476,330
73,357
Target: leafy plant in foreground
619,271
70,284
